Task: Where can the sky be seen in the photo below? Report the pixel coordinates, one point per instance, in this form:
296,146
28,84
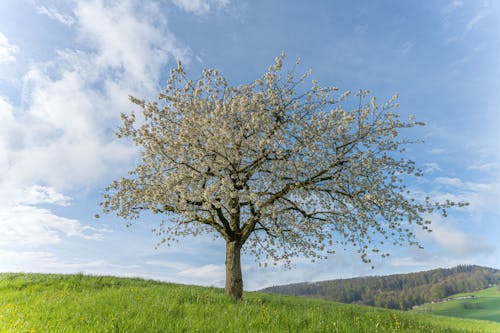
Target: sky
67,68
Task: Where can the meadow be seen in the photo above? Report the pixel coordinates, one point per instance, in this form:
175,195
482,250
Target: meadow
483,304
80,303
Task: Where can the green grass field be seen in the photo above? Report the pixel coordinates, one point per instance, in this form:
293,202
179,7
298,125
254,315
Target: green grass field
80,303
485,306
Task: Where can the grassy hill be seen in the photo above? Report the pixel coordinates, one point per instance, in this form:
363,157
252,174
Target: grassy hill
80,303
483,304
398,291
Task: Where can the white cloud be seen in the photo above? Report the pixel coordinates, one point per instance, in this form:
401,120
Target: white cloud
473,22
200,7
43,195
461,20
55,14
183,272
448,12
72,103
482,197
457,243
429,262
60,136
431,167
48,262
405,48
16,260
211,274
24,261
437,151
486,166
171,265
129,37
24,224
9,131
7,50
28,225
449,181
452,6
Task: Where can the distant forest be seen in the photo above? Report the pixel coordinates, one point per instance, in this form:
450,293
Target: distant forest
399,291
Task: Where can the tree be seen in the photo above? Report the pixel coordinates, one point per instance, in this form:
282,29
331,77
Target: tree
277,167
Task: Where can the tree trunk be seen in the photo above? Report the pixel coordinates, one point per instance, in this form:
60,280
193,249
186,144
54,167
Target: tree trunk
234,278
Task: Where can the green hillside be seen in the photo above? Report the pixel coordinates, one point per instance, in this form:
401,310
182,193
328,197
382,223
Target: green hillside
398,291
80,303
483,304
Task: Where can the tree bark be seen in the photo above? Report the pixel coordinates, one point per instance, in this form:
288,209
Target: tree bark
234,278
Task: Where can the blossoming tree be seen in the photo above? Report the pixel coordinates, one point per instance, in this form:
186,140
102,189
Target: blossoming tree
272,167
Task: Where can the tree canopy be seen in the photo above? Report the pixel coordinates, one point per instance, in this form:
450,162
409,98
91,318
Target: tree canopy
280,166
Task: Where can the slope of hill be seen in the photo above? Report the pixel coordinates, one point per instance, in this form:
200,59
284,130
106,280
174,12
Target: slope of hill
399,291
79,303
483,304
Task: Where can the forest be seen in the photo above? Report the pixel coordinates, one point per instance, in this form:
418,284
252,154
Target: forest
399,291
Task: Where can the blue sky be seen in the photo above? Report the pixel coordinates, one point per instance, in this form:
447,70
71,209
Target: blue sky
67,67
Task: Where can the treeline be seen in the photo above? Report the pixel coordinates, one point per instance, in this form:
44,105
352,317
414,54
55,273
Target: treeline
400,291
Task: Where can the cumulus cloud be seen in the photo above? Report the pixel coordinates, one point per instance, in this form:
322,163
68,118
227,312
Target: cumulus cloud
72,103
9,131
484,166
49,262
130,37
15,261
38,194
437,151
60,137
405,48
22,223
461,18
55,14
427,261
473,22
447,245
458,243
28,225
449,181
211,274
200,7
482,197
449,242
431,167
7,50
452,6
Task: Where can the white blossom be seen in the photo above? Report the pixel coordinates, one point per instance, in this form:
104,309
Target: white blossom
285,169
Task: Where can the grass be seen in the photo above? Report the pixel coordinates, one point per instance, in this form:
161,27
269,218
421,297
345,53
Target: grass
79,303
485,305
